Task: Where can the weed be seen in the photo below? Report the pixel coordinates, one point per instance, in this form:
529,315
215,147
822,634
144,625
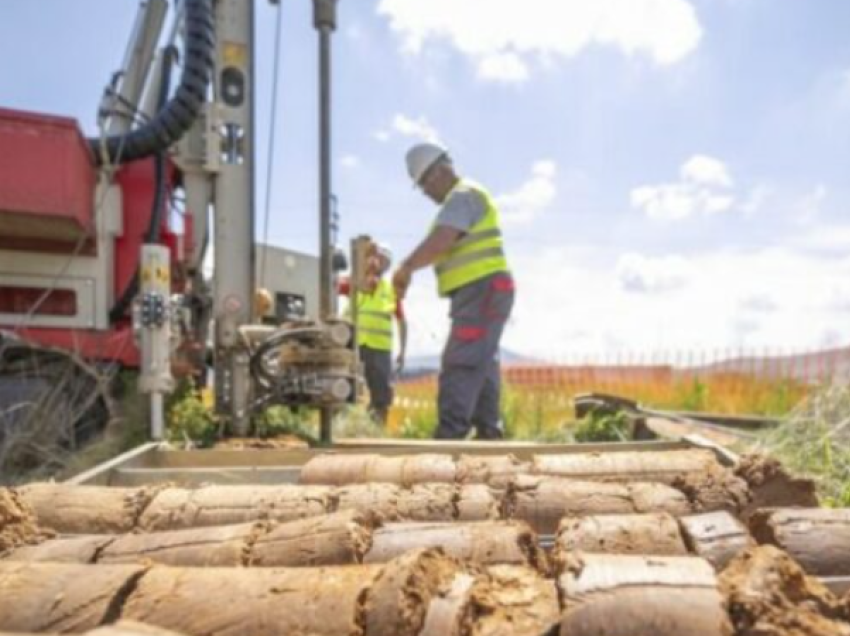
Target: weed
190,421
418,425
814,441
355,422
537,402
602,427
694,397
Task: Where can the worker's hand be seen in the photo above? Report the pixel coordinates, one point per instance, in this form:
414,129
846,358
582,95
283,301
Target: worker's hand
401,281
399,364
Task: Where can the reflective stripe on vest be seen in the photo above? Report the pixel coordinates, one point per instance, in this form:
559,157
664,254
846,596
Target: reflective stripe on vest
478,254
375,317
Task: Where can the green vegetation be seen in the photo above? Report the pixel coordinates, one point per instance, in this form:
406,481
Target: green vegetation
129,429
190,422
692,396
814,441
603,427
537,403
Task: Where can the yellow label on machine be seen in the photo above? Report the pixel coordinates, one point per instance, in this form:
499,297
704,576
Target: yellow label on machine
235,54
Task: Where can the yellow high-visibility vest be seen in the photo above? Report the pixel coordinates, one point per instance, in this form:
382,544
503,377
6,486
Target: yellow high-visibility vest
478,254
375,317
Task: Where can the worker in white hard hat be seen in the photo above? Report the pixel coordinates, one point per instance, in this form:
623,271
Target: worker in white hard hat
375,314
466,249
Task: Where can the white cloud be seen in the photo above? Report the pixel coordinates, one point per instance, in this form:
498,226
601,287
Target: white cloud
638,273
405,126
572,300
571,303
822,238
350,161
506,68
665,31
533,197
704,170
704,188
759,302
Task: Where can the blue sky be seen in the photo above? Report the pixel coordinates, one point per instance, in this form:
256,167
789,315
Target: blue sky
673,173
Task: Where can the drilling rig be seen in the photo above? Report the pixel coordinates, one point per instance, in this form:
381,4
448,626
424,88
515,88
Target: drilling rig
96,272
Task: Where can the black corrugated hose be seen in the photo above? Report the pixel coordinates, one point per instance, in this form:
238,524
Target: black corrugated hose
177,116
160,192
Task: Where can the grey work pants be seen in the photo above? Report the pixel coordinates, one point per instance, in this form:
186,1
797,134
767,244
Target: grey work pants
378,369
470,381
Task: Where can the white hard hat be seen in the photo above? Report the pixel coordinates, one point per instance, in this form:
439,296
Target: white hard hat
423,156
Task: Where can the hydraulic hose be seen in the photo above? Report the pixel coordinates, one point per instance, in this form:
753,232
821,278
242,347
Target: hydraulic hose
257,366
178,115
160,193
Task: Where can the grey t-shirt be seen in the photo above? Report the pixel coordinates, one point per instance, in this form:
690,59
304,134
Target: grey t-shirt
462,210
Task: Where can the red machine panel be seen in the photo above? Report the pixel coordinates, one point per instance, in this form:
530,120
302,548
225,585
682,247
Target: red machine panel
47,182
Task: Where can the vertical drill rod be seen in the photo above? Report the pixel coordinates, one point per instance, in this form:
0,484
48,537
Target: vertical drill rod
325,23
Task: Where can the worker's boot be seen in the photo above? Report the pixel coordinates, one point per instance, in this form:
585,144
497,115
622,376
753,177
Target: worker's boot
489,433
379,415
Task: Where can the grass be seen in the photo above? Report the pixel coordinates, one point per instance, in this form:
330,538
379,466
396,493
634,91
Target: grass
535,407
814,441
129,430
539,407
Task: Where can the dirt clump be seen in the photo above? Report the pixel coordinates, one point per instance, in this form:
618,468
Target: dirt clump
716,488
269,443
18,526
397,603
768,594
772,487
816,538
496,471
510,599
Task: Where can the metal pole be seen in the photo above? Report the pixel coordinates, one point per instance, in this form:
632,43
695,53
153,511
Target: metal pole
157,417
324,18
233,196
119,107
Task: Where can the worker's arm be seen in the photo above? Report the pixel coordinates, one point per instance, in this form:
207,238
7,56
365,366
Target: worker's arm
401,321
438,242
402,337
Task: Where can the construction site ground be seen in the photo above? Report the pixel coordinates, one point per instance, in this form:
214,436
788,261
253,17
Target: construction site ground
399,537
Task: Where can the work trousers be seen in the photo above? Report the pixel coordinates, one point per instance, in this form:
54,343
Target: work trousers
378,369
470,381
